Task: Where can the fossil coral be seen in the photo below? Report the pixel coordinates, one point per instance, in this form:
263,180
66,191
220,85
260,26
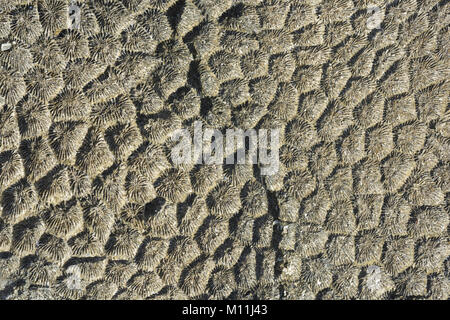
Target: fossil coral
431,253
396,214
26,235
79,182
12,86
98,219
9,129
369,211
310,241
19,201
43,84
254,200
310,35
193,217
184,250
341,250
174,185
241,18
340,183
336,120
94,205
208,81
219,115
11,168
168,79
247,276
301,134
5,235
204,178
262,90
26,25
243,231
315,208
104,48
123,243
53,16
188,18
224,201
39,158
432,102
101,290
94,155
421,190
316,273
369,247
194,282
324,160
53,249
307,79
163,220
110,186
299,184
411,137
86,244
18,59
275,41
65,139
34,118
89,269
346,282
206,40
80,72
399,255
169,271
55,186
221,283
212,234
254,64
43,273
119,272
353,145
341,219
235,91
118,109
139,189
376,283
225,66
285,104
124,139
428,222
150,254
213,8
174,53
238,42
413,282
149,160
187,104
70,104
63,220
368,178
136,39
396,170
157,24
112,16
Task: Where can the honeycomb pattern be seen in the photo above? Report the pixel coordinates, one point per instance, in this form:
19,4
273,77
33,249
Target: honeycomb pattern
91,206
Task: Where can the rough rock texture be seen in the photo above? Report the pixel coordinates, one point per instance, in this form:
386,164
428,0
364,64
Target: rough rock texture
91,206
